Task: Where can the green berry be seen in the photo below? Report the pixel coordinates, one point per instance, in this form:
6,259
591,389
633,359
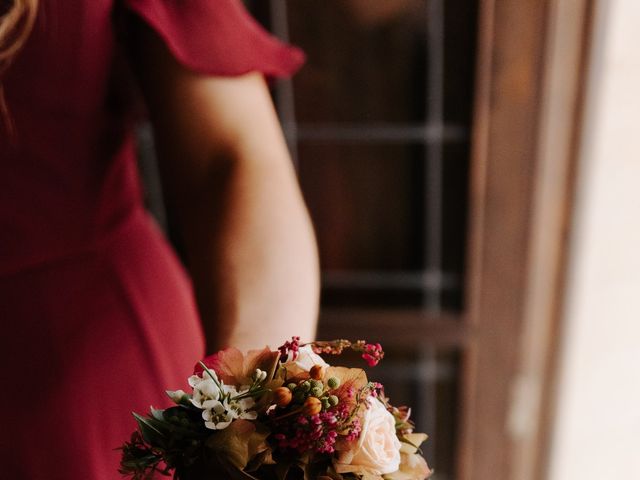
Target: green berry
333,400
333,382
325,404
316,384
305,386
299,396
292,386
317,391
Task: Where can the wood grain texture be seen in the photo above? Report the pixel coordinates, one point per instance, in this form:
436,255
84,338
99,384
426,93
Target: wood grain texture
526,121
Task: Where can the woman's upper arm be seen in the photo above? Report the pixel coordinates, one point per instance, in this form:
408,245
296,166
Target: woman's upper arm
200,120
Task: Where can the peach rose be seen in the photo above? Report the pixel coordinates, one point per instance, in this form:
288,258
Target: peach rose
412,465
377,451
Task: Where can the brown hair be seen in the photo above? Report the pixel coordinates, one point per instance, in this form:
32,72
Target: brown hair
16,21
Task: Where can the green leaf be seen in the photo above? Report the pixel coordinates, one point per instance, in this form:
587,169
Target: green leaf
149,431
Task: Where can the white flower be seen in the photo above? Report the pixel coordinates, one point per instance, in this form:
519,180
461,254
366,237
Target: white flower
177,395
203,391
303,362
215,415
220,403
206,375
240,408
218,414
194,380
259,376
377,451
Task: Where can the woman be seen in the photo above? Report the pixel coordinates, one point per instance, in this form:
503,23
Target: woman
97,312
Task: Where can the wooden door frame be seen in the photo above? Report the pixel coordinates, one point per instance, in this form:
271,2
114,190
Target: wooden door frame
532,55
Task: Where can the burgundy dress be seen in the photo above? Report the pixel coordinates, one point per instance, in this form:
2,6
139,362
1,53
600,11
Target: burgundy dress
97,313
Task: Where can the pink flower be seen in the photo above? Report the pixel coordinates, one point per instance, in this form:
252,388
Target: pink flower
372,354
290,347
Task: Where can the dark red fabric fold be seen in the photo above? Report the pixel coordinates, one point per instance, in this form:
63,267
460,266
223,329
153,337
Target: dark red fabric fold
217,37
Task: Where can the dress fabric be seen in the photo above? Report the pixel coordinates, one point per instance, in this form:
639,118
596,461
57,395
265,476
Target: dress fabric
98,316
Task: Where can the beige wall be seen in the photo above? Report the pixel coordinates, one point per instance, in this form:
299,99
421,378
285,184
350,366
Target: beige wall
597,428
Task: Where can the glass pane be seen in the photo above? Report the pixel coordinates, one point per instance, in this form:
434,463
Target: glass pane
364,200
455,201
459,44
368,202
366,60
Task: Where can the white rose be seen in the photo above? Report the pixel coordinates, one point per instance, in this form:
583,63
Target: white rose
303,362
378,449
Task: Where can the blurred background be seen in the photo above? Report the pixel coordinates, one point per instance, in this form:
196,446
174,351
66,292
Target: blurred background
465,164
379,122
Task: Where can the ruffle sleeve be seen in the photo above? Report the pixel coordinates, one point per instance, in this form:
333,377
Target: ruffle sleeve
217,37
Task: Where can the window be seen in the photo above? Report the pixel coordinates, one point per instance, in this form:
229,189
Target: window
378,122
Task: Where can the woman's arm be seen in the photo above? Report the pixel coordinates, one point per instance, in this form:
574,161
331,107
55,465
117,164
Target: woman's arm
232,193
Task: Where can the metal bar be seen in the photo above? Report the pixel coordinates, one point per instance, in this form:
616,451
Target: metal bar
391,280
427,374
285,99
433,166
345,132
427,398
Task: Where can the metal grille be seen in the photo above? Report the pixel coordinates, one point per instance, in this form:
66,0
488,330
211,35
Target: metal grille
432,134
430,145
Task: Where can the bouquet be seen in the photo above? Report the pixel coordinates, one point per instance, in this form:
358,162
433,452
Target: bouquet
280,415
